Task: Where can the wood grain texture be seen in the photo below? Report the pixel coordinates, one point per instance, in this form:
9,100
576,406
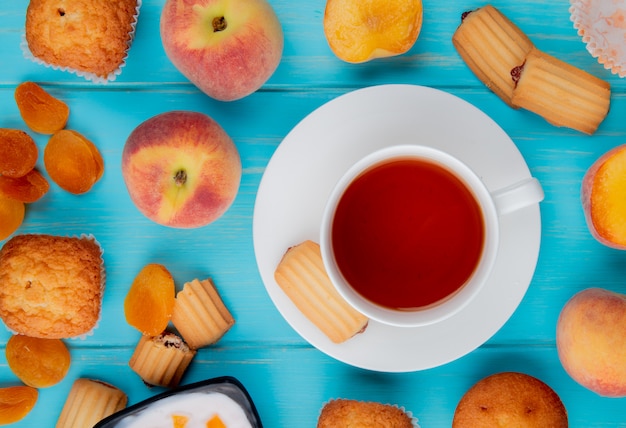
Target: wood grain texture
289,379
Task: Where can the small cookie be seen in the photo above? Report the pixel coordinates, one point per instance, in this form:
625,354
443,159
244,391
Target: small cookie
491,46
302,276
88,402
199,314
510,399
562,94
351,413
161,360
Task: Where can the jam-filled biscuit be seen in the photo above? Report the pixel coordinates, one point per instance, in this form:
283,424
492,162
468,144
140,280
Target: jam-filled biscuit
491,46
562,94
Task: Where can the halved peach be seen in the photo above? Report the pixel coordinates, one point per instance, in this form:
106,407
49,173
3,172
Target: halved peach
603,198
362,30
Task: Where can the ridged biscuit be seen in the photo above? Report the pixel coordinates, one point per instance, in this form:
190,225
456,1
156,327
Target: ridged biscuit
510,399
88,402
86,35
200,315
562,94
491,46
351,413
161,360
51,286
302,276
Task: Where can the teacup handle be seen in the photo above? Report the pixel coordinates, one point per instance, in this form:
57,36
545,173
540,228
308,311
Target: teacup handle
517,195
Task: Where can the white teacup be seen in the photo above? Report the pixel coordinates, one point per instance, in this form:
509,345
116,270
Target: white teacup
421,256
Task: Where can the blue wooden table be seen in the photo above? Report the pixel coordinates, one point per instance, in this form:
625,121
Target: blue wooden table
287,377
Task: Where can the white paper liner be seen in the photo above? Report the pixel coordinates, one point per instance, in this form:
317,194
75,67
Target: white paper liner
414,420
88,76
102,288
602,26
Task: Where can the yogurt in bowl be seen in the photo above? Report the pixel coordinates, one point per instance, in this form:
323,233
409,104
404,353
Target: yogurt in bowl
219,402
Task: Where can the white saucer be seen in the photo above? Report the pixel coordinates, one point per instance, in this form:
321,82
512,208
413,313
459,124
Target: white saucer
312,157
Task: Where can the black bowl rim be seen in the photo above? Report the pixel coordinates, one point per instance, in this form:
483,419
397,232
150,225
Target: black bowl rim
116,417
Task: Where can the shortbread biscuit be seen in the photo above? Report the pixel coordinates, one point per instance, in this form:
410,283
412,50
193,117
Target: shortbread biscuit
491,46
562,94
161,360
302,276
90,401
200,315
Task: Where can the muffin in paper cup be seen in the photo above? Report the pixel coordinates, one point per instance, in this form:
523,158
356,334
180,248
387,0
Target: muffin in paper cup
89,38
347,412
51,286
602,26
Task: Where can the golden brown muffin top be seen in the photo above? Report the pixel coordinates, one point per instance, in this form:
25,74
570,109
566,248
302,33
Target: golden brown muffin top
51,286
86,35
510,399
358,414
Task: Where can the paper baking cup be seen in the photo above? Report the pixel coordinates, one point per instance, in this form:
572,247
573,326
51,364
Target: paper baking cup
88,76
90,237
602,26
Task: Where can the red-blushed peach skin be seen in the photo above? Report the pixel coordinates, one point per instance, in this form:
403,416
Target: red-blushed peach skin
591,340
602,196
229,63
181,169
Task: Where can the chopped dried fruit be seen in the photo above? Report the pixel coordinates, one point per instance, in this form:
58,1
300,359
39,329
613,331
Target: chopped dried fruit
72,161
11,215
41,111
28,188
16,402
179,421
150,300
215,422
39,363
18,152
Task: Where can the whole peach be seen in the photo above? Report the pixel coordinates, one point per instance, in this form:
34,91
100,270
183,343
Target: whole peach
181,169
591,340
227,48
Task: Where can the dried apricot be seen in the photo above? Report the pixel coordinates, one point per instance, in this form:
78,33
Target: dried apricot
215,422
179,421
39,363
72,161
41,111
18,152
28,188
11,215
150,300
16,402
97,157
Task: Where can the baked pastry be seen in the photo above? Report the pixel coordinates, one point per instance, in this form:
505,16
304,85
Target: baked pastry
562,94
89,36
88,402
199,314
161,360
510,399
302,276
491,46
51,286
351,413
